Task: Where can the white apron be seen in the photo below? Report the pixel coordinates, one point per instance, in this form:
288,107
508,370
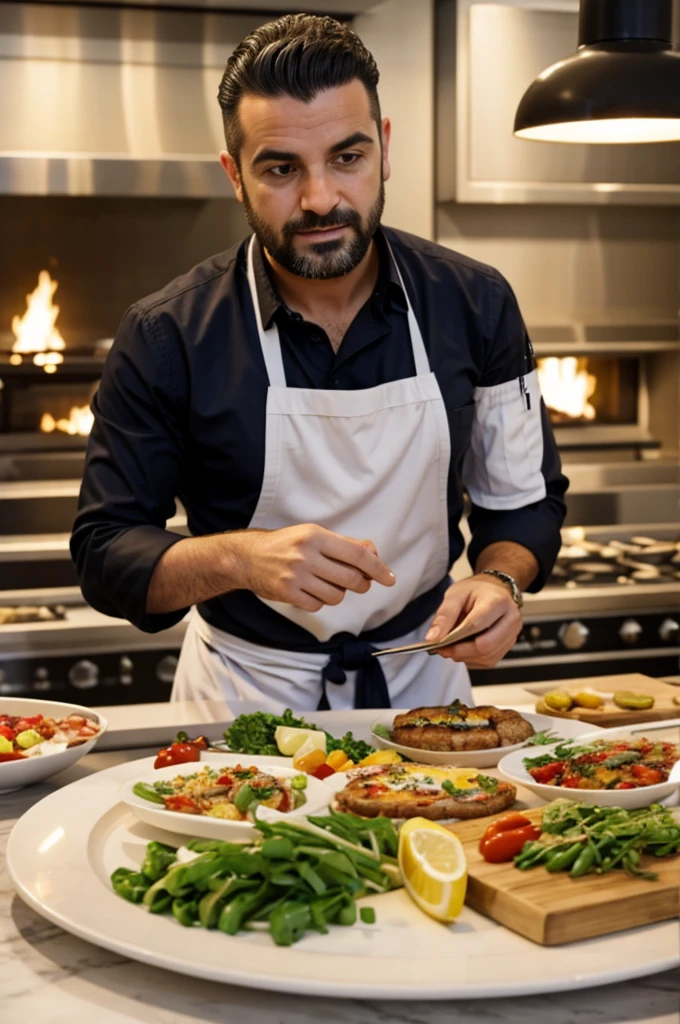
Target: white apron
370,464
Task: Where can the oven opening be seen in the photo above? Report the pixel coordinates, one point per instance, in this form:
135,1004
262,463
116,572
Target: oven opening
46,383
590,390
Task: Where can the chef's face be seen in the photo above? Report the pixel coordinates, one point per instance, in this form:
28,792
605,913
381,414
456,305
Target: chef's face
311,177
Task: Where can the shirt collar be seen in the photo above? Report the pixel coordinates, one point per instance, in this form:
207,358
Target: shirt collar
388,290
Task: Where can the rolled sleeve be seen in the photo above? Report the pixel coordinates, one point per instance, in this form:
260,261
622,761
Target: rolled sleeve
133,471
512,471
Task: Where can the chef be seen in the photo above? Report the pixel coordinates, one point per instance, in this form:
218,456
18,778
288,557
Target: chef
318,397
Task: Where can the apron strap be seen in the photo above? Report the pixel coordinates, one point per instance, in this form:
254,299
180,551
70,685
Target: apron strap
422,363
371,686
269,339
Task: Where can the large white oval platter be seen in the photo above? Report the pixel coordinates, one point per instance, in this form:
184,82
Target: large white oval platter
316,793
563,727
62,851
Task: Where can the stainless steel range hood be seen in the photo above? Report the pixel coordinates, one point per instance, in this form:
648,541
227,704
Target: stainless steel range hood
113,100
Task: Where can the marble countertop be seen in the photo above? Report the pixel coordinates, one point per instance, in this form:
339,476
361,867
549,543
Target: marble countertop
51,977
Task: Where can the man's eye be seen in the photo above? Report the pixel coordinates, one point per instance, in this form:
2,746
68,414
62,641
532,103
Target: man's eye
281,170
347,159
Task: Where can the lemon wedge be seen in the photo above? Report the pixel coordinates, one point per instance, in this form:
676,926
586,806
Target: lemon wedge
433,866
289,740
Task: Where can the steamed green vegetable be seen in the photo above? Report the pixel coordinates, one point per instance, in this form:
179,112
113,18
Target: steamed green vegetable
302,874
594,840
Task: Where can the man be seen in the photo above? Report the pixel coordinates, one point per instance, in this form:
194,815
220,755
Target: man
318,396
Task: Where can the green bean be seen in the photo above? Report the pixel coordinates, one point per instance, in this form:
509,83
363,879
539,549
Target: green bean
562,857
289,921
158,859
131,885
185,911
584,861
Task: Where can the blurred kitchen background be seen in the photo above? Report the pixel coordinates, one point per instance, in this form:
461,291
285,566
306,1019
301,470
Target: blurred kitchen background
110,186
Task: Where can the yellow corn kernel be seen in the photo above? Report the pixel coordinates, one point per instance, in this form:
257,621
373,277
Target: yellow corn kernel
336,758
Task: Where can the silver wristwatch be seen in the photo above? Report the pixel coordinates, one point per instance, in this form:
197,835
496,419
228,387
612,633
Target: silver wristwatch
510,583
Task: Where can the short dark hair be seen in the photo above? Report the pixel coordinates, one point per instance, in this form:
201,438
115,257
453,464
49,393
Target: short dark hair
298,55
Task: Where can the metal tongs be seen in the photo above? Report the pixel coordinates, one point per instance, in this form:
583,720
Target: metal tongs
464,631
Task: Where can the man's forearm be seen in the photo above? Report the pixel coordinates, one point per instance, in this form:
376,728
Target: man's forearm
194,570
507,556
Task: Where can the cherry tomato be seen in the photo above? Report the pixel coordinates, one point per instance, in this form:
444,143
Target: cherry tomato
506,823
571,782
323,771
547,772
645,775
177,753
7,732
503,846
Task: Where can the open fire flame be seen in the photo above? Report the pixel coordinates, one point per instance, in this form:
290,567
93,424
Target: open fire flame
566,386
35,331
79,421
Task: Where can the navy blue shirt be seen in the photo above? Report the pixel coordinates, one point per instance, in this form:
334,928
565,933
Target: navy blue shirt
180,414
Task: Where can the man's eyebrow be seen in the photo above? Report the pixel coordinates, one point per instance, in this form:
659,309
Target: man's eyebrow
275,154
351,140
287,157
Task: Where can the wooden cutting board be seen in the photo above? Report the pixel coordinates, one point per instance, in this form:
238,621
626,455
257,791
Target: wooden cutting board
553,909
666,699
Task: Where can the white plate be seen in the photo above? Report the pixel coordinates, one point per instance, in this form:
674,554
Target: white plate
16,774
317,794
512,767
478,758
62,851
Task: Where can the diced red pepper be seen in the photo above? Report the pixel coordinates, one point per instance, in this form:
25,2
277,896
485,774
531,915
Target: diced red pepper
645,775
547,772
375,789
7,732
625,785
16,756
571,782
323,771
183,804
225,780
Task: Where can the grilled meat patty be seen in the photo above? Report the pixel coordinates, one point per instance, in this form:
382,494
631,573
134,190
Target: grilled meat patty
458,727
415,790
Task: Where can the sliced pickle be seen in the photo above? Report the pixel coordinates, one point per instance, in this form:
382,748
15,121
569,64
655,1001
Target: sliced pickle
584,699
630,701
558,700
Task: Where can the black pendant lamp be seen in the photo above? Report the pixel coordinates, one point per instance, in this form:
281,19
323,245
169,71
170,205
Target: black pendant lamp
622,85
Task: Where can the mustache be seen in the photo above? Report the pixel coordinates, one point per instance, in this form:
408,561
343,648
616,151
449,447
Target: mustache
314,222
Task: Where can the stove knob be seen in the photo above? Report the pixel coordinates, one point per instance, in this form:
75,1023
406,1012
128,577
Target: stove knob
166,668
669,631
630,631
573,635
84,675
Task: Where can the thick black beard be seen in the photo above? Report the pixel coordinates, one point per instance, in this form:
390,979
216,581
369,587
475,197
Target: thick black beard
335,258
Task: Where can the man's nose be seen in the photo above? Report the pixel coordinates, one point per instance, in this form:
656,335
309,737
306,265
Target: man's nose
319,194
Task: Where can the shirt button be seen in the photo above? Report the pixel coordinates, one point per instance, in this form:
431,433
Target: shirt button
315,336
337,382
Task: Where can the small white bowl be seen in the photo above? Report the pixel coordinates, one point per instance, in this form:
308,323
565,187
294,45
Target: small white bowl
465,758
512,768
317,796
17,774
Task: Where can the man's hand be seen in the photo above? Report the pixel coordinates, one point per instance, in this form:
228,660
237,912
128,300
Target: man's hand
484,603
306,566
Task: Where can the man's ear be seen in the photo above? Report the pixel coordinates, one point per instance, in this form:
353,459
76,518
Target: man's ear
230,168
386,135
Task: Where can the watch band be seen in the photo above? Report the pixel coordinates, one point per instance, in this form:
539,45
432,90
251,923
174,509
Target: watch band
510,583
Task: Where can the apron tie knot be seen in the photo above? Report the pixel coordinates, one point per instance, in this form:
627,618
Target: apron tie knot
355,655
